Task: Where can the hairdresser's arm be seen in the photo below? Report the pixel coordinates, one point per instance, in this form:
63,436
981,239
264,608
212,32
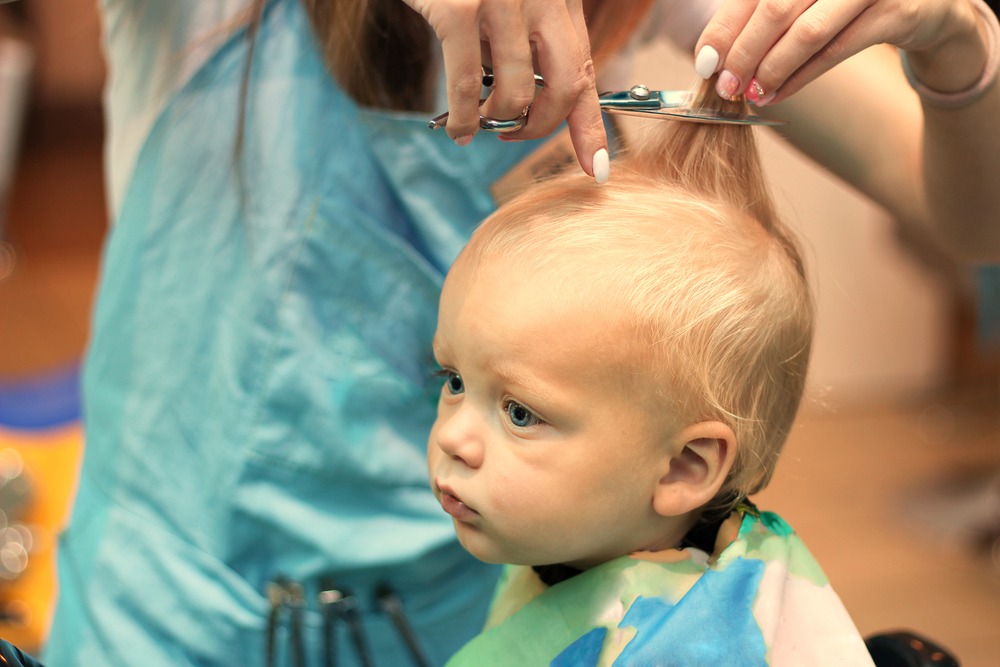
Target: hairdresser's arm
938,169
933,167
513,37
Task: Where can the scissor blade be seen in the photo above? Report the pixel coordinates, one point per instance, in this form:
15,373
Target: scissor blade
696,115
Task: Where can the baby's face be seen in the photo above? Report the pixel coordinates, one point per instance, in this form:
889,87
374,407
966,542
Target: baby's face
543,450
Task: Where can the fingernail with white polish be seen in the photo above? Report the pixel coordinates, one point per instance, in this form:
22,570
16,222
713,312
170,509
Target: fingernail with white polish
706,62
602,166
463,141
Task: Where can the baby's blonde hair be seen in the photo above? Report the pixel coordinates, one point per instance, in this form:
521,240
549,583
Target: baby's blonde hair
684,247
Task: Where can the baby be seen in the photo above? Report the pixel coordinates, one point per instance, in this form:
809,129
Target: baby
622,365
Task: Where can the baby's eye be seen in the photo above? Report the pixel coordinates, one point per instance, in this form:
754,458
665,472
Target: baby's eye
521,416
453,382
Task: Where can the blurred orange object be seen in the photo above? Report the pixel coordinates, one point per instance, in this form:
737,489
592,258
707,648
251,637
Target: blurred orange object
50,462
41,444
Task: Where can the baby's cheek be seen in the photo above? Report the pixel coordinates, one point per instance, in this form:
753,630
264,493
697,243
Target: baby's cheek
522,501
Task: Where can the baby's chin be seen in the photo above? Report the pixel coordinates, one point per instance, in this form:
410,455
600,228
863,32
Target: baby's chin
486,547
489,552
511,557
475,544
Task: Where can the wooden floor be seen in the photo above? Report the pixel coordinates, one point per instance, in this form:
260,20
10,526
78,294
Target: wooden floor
886,498
883,494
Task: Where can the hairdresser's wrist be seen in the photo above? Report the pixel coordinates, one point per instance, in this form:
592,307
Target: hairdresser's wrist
959,59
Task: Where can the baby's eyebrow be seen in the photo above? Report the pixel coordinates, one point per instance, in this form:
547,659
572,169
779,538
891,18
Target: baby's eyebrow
521,376
512,373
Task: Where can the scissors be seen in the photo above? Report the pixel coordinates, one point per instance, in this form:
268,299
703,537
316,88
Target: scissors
636,101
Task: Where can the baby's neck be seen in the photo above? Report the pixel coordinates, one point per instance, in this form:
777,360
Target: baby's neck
679,533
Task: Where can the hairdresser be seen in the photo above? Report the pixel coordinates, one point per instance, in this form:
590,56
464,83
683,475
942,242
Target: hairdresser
257,388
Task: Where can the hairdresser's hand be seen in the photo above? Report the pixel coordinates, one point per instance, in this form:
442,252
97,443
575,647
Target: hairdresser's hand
769,49
515,36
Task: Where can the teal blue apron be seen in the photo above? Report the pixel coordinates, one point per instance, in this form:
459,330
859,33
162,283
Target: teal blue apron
257,390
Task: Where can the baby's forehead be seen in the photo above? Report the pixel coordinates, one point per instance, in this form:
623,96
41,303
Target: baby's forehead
621,223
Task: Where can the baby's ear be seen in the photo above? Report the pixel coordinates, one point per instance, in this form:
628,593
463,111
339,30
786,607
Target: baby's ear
704,454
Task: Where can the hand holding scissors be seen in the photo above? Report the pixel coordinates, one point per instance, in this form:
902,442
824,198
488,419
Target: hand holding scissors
515,37
636,101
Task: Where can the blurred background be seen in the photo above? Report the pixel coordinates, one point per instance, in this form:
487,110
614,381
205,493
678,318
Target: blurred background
892,475
52,222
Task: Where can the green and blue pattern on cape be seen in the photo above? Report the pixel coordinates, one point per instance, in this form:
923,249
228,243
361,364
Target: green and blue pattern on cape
693,610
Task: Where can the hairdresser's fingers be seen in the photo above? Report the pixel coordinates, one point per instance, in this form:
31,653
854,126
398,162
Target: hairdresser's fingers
770,22
456,24
849,42
590,141
505,28
764,27
914,25
570,91
558,59
586,122
718,36
820,29
824,34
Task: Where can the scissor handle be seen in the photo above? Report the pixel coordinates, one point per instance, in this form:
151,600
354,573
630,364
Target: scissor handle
485,122
504,126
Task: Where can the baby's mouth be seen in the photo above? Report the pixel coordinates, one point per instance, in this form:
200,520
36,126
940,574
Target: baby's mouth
454,506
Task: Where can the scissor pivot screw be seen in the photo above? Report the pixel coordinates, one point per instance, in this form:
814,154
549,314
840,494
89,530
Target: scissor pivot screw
639,92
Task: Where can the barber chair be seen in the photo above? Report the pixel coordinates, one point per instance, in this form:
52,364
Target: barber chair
902,648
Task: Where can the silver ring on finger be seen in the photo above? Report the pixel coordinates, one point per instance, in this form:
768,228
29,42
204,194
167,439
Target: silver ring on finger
503,126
